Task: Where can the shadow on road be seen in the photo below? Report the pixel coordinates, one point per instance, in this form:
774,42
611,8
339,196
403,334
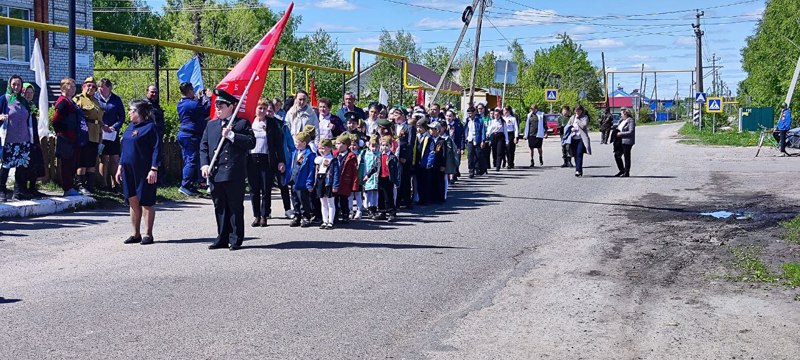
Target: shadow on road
8,301
633,176
299,245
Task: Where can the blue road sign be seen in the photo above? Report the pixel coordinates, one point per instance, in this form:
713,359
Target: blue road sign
700,97
714,105
551,95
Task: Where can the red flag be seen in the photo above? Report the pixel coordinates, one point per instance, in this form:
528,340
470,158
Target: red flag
420,97
256,61
313,94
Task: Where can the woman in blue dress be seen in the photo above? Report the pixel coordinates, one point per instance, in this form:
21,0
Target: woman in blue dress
138,169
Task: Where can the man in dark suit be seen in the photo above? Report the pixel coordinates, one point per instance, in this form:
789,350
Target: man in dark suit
227,176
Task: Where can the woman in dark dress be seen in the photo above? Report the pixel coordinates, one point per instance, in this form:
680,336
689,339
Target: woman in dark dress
138,169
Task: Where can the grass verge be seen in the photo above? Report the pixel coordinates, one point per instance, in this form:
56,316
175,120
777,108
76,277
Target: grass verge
792,234
692,135
752,269
164,193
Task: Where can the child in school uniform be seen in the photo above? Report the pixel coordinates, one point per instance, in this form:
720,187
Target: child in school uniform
348,165
387,170
327,181
357,195
433,164
300,179
369,157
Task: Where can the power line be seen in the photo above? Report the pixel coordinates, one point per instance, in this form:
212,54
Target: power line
498,30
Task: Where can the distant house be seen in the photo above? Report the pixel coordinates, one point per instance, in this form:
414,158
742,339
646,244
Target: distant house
619,99
417,75
16,44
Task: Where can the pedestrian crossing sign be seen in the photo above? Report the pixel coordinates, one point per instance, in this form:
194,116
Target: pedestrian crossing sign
551,95
700,97
714,105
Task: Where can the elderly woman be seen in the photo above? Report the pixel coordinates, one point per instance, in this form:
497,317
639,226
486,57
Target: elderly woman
66,123
623,138
16,138
579,137
138,169
36,168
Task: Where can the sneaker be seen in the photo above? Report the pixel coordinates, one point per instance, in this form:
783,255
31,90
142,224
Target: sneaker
357,216
305,223
323,226
289,213
84,191
188,192
329,227
72,192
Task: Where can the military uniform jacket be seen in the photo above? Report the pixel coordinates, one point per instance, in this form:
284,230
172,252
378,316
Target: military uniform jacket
231,164
93,113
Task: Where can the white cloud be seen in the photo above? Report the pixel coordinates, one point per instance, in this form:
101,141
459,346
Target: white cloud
438,23
684,41
581,30
755,13
336,4
641,58
526,17
602,44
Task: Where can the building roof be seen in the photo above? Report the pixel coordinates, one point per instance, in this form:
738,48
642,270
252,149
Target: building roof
425,75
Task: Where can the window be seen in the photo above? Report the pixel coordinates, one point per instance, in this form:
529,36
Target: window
15,42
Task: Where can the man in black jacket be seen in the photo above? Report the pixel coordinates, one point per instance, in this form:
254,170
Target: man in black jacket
226,177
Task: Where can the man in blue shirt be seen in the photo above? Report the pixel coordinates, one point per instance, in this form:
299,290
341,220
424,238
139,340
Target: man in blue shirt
350,105
113,119
192,114
784,124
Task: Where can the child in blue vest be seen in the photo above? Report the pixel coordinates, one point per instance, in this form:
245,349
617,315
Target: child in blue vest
369,157
327,170
300,178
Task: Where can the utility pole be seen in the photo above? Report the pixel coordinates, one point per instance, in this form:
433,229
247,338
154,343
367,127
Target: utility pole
198,34
475,59
641,94
71,39
699,52
714,73
466,18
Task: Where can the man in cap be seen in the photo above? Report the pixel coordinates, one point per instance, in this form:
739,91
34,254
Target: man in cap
784,124
93,113
193,112
227,176
350,105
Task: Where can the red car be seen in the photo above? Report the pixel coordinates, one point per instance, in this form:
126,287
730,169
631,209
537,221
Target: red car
551,123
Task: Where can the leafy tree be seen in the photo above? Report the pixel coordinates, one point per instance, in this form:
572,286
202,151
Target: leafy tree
388,72
124,21
770,55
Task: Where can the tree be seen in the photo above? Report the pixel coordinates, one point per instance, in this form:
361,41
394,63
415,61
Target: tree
117,18
770,55
387,71
322,50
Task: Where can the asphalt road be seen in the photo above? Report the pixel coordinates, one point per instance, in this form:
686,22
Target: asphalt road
516,265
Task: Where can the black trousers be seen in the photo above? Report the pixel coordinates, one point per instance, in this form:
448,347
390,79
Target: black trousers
301,201
498,149
485,154
473,157
783,140
510,150
386,196
228,198
259,176
404,191
623,151
424,181
436,181
343,207
604,136
285,197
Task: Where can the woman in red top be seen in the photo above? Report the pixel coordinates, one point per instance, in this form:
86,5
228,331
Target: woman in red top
66,123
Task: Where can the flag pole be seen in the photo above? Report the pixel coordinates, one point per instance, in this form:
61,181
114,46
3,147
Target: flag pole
231,123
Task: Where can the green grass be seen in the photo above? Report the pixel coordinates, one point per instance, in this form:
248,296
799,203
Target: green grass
750,266
792,234
659,122
692,135
791,274
168,192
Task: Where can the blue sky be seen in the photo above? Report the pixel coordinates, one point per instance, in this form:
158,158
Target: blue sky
624,30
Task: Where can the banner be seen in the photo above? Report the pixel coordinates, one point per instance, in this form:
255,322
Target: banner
313,94
191,72
420,97
383,97
37,65
256,61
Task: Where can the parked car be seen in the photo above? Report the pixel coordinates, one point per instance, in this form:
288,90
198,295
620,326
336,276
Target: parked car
551,123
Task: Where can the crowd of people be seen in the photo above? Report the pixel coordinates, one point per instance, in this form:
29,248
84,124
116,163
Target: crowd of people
330,167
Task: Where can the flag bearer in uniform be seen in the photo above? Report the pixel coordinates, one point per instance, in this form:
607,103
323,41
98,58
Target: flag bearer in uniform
227,177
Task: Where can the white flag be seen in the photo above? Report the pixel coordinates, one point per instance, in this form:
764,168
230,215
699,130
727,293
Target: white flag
383,97
37,65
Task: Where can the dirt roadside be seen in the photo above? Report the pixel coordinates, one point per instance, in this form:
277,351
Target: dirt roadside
653,278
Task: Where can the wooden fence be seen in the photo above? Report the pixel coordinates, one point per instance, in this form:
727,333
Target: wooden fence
171,164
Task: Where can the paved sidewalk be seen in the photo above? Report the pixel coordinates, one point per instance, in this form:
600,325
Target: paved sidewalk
46,206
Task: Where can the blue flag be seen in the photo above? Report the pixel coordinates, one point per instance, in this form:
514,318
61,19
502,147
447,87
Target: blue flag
191,72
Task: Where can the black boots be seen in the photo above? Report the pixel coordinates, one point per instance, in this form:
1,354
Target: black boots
86,183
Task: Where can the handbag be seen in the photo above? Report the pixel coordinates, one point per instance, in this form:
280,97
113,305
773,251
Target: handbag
64,149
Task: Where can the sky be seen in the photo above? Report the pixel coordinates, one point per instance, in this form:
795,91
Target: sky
629,33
